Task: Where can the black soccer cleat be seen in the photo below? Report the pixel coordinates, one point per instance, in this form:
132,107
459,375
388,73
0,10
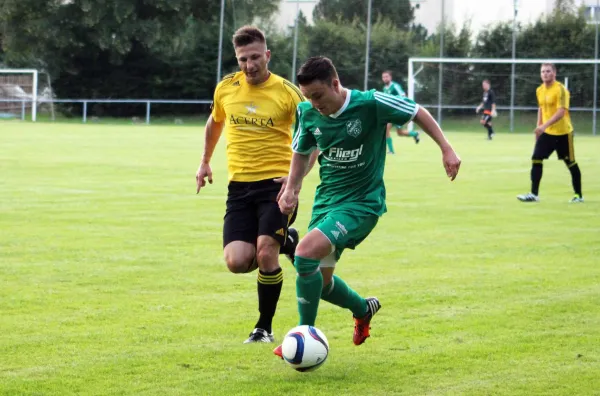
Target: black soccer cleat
292,239
417,137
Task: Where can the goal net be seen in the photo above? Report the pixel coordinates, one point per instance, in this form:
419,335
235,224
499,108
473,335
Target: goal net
451,89
18,94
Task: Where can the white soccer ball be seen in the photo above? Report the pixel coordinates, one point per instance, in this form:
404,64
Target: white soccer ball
305,348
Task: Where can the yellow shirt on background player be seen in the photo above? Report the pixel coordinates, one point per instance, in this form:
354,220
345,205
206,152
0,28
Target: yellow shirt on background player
258,125
550,99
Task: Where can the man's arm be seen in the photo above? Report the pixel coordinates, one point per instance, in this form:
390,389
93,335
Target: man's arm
560,113
451,161
299,168
212,133
312,160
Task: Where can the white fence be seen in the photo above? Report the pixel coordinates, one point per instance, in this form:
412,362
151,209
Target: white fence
85,102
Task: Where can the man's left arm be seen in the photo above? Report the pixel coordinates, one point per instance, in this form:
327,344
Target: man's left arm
402,110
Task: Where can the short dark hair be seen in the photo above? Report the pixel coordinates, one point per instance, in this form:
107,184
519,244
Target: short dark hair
387,72
247,35
552,65
318,68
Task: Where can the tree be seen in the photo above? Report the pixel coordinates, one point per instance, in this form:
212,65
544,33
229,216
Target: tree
124,48
399,12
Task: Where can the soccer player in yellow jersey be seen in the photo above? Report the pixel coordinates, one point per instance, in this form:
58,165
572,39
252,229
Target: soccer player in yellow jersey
256,108
554,132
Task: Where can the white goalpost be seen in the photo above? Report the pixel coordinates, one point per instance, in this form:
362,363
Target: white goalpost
18,92
458,88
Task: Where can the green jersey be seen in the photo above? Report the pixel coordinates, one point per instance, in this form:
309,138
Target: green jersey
394,89
353,148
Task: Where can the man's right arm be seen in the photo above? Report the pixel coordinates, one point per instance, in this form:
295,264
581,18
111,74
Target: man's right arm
299,168
212,133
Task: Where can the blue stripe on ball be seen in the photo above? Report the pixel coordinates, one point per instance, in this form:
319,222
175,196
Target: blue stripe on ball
297,359
313,333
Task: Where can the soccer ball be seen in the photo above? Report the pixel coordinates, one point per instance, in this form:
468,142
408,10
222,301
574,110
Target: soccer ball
305,348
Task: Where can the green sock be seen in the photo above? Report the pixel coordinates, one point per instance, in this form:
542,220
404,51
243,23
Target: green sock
340,294
309,285
390,144
413,133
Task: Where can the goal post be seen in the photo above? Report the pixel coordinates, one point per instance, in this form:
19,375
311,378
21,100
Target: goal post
461,90
19,92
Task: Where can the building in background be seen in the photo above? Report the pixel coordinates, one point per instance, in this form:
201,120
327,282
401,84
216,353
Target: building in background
480,13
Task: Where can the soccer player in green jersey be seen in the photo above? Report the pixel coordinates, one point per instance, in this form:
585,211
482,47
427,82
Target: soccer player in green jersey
348,127
391,87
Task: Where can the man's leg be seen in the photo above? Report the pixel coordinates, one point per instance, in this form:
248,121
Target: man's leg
240,257
537,169
309,282
240,234
273,234
544,146
490,129
404,132
566,151
388,139
486,122
348,229
269,283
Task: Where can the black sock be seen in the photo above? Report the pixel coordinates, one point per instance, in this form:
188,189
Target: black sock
575,177
490,130
536,177
269,288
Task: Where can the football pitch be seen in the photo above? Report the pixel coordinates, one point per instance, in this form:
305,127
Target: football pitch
112,279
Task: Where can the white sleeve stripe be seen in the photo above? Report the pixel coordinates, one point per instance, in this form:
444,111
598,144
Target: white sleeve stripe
299,131
394,100
307,152
402,107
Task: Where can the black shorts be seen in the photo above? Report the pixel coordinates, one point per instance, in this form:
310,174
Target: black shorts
252,210
486,118
546,144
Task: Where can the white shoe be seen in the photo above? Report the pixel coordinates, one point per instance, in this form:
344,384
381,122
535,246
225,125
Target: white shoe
576,199
259,335
529,197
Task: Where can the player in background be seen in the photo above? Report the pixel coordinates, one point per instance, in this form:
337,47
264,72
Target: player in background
348,128
391,87
488,104
256,108
554,131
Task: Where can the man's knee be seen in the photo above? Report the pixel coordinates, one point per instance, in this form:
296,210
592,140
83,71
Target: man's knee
267,253
239,258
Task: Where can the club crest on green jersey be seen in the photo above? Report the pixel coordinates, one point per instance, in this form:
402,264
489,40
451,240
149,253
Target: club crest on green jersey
354,127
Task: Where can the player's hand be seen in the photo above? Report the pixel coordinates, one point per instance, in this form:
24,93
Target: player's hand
203,172
538,132
451,163
283,181
287,202
477,110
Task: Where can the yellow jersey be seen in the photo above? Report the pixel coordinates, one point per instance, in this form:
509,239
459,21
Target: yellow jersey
258,125
550,99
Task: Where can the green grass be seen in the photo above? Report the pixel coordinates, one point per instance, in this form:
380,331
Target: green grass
112,278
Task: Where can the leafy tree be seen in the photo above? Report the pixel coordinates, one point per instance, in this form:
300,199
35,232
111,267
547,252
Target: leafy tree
399,12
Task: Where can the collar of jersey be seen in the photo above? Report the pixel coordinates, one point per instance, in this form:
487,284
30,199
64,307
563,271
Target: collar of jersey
344,106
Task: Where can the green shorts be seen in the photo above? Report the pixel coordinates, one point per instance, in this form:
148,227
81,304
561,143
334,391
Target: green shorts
344,227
